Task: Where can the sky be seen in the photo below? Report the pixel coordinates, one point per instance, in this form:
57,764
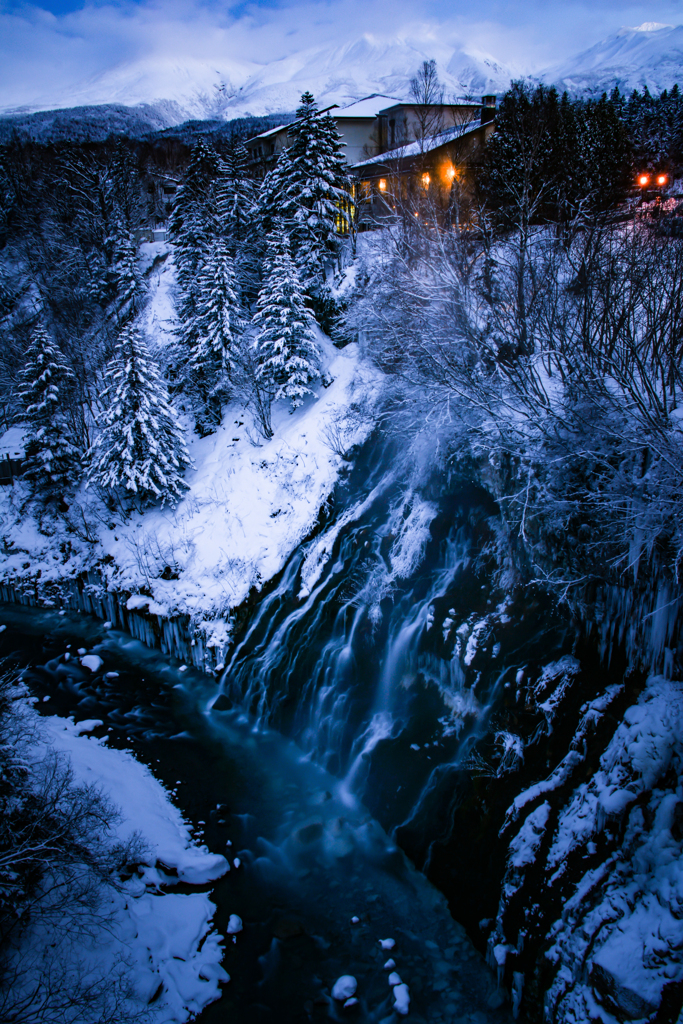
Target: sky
61,43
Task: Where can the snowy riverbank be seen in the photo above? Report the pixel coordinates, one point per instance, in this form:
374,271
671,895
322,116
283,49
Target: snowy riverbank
162,942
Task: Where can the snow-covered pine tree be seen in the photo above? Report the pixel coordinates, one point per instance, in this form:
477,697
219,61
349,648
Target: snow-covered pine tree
141,447
235,198
316,197
238,223
124,277
53,460
194,222
287,355
217,327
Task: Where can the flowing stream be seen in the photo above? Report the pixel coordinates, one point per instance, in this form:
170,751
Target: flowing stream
312,857
353,697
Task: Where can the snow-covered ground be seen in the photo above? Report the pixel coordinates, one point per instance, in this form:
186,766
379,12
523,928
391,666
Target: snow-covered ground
250,504
172,953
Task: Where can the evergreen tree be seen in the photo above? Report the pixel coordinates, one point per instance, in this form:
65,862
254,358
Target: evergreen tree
141,447
236,211
124,278
217,328
549,156
288,358
309,192
46,382
317,192
235,198
194,222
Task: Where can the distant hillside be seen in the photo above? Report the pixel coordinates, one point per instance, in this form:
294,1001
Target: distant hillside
650,56
97,124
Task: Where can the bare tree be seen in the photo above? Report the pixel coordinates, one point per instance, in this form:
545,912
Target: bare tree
427,93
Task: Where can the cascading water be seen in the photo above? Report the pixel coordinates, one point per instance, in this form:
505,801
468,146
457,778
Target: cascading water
382,650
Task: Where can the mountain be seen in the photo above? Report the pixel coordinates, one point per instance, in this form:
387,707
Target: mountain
172,91
159,91
634,58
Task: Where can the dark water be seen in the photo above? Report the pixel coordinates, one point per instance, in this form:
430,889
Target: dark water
312,855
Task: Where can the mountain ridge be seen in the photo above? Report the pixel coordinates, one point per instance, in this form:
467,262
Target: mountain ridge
167,91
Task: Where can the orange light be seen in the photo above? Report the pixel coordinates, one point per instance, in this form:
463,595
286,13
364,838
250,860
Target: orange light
382,184
661,179
450,173
643,180
425,180
416,214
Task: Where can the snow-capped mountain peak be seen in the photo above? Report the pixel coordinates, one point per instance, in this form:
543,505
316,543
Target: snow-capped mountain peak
647,56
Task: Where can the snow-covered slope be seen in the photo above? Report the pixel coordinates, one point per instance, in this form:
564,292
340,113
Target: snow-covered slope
183,88
176,88
251,501
650,55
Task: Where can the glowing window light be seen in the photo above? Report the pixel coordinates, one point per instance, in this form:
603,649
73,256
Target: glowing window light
450,173
425,180
661,179
643,180
382,184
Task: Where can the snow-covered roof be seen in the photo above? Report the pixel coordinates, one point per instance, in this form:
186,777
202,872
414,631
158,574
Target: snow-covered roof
271,131
13,443
367,107
414,148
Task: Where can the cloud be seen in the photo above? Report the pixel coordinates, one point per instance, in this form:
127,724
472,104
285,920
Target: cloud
48,59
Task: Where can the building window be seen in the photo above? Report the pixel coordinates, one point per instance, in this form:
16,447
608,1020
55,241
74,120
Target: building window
425,180
382,184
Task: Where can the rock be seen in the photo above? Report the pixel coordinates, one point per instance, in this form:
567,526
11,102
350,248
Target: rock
310,833
622,1001
234,925
287,928
221,703
344,988
401,999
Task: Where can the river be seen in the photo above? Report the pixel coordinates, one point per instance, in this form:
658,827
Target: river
312,856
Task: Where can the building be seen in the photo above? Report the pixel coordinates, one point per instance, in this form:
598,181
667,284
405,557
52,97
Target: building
398,151
12,454
357,124
370,126
431,172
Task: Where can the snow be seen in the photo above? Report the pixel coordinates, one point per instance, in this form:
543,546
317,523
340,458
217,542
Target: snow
12,443
617,937
167,937
344,987
235,925
387,943
249,505
401,999
177,86
144,802
250,502
394,979
650,55
525,845
92,662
